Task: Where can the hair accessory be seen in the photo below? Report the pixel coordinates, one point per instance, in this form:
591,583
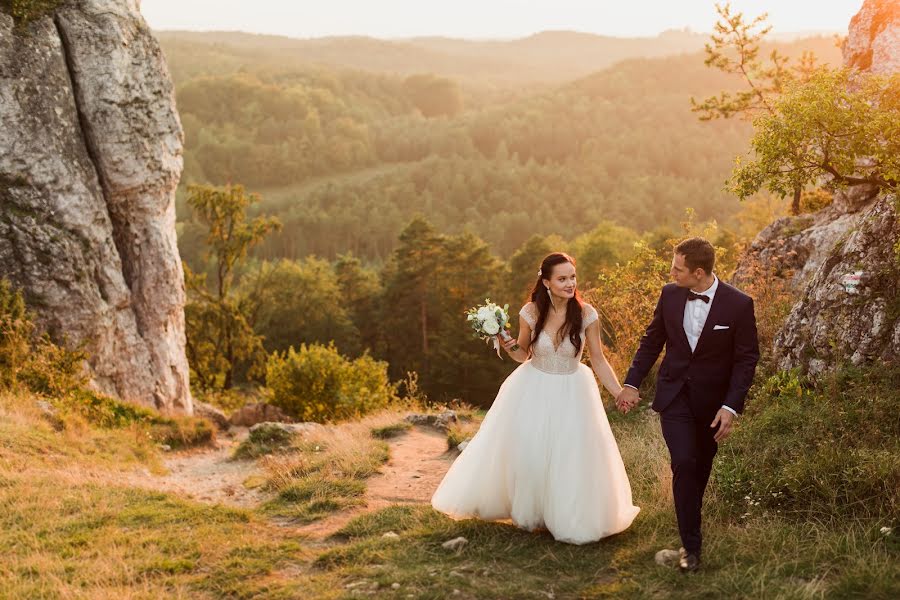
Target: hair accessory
540,273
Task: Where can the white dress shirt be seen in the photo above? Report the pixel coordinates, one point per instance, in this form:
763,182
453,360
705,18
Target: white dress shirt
695,313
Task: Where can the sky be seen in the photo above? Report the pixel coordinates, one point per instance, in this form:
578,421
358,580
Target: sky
482,19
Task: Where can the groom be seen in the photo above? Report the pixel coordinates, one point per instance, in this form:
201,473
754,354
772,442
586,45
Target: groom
709,331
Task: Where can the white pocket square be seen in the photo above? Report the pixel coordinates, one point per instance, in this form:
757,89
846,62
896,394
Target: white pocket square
719,327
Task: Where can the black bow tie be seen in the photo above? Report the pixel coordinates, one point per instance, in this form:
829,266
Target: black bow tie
693,296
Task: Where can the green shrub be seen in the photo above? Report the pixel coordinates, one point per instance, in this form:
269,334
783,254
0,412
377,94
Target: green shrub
54,370
316,383
832,448
15,334
226,400
38,363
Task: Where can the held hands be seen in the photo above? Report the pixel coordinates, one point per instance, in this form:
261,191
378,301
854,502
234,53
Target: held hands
725,421
627,399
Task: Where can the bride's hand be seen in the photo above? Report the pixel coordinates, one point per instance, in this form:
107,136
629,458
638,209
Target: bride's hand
627,399
507,344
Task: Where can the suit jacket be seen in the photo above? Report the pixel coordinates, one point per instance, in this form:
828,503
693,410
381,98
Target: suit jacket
721,368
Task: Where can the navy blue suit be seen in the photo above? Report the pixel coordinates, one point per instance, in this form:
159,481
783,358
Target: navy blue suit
692,386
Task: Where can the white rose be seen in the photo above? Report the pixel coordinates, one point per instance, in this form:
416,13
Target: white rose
485,313
491,327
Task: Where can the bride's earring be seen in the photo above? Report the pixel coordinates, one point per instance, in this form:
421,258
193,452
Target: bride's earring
549,295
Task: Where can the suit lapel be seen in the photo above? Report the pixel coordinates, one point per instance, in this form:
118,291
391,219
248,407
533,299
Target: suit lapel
715,311
676,315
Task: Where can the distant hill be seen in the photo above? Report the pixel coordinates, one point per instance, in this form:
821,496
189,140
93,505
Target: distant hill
547,57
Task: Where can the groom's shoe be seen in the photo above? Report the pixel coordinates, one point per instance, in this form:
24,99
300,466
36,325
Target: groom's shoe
688,562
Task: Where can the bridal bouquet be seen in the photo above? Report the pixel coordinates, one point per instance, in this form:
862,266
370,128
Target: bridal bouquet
488,320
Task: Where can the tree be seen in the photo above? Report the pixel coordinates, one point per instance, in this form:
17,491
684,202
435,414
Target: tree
295,302
433,96
604,246
523,268
840,126
218,334
461,366
407,311
360,293
735,50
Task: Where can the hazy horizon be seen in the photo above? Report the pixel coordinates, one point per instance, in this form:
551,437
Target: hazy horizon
469,19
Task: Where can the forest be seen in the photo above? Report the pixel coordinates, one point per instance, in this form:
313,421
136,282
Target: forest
345,157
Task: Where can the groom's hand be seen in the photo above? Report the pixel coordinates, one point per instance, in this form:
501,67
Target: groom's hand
627,399
725,421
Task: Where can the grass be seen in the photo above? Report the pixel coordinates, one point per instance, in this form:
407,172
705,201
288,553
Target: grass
264,440
386,432
764,556
28,440
468,421
70,526
327,468
96,541
832,448
765,559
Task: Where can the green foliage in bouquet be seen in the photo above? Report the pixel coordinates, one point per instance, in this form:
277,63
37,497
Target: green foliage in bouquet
317,383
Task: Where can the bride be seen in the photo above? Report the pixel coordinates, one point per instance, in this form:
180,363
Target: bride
545,455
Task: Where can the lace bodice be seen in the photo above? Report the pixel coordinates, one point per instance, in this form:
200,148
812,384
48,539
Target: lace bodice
545,356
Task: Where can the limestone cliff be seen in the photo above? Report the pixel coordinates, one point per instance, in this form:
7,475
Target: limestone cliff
845,266
90,155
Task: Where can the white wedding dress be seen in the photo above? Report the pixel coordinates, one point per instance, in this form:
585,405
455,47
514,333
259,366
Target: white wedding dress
545,455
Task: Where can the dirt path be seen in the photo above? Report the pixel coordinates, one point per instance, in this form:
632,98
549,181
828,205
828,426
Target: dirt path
209,475
418,462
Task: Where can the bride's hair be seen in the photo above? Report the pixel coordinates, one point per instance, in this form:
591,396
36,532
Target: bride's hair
541,299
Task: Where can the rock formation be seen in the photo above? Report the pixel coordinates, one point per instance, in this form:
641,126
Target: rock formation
874,38
846,268
90,155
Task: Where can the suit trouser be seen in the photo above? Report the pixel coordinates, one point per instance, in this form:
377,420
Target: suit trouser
692,448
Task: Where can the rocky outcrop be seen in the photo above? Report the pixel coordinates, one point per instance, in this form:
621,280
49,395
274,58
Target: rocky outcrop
874,38
797,246
850,309
843,260
90,155
441,421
